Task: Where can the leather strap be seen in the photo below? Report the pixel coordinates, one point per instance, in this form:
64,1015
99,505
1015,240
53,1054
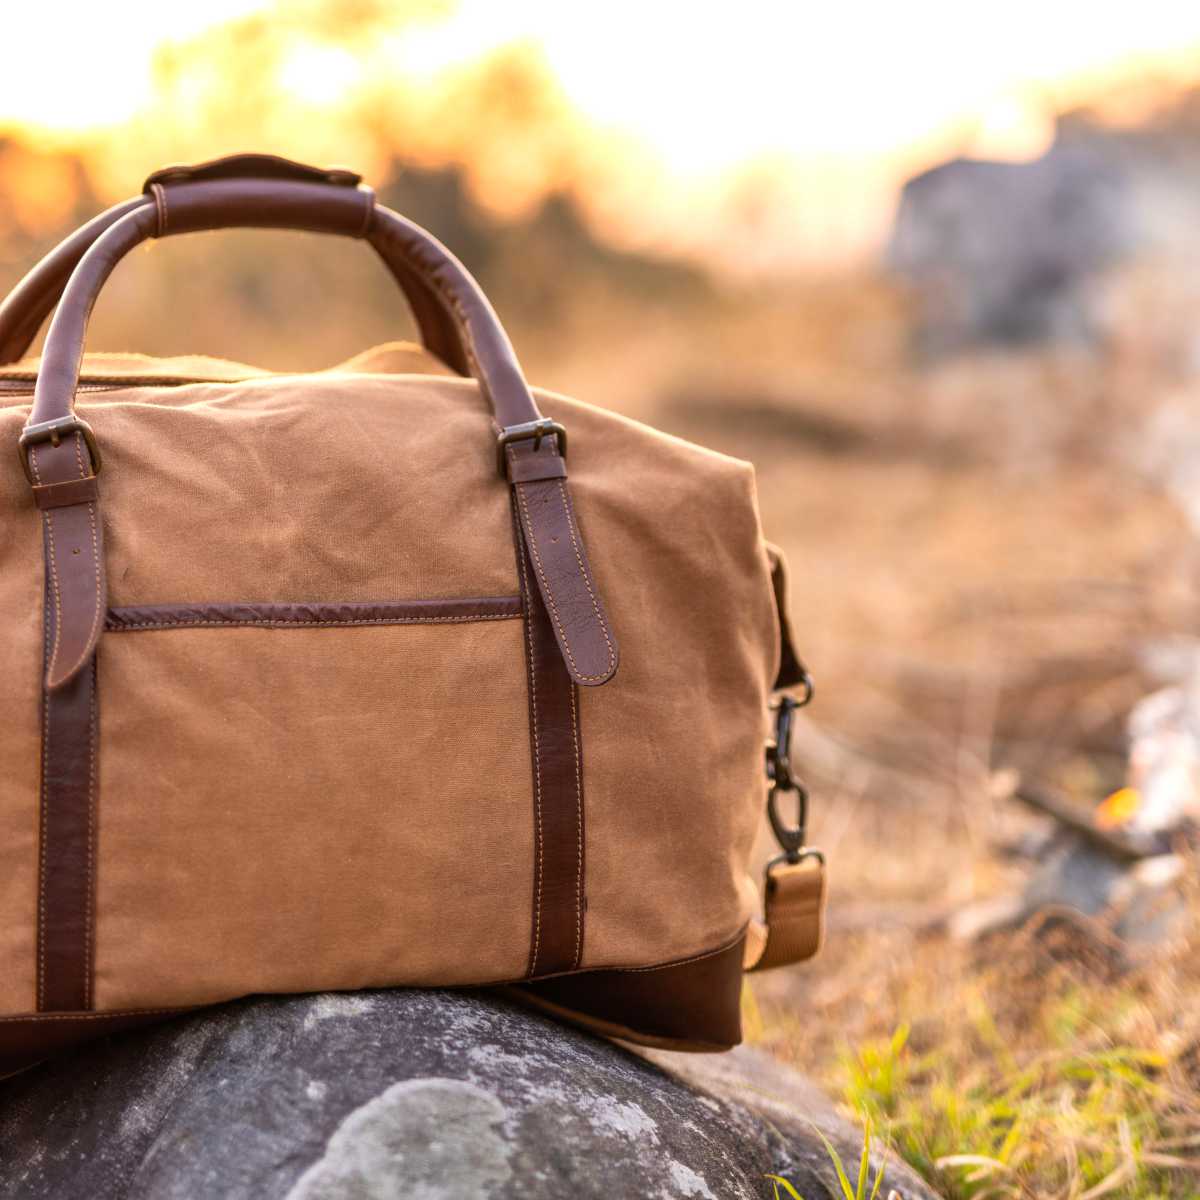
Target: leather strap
74,554
555,544
561,568
27,306
792,671
795,908
795,892
693,1004
557,926
73,610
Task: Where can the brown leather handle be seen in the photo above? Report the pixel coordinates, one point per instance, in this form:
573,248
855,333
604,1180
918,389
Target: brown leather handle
63,460
284,204
28,305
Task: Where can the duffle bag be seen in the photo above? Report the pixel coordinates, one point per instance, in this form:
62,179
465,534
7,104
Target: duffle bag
395,674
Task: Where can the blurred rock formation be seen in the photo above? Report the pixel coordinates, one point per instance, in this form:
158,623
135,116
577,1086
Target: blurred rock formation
1002,253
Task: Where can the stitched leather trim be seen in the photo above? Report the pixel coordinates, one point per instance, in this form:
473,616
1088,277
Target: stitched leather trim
694,1004
28,1038
283,616
556,935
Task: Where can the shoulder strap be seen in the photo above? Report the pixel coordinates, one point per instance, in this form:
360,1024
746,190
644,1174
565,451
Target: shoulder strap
793,924
793,928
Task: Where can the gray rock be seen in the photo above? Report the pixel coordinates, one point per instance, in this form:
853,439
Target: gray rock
1004,253
1142,904
376,1095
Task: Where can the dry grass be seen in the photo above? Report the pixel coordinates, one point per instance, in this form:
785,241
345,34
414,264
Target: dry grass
978,558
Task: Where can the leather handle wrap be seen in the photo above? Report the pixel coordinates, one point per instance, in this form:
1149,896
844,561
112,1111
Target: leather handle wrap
251,166
27,306
564,577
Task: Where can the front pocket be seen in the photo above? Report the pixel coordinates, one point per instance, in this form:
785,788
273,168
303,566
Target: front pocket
301,797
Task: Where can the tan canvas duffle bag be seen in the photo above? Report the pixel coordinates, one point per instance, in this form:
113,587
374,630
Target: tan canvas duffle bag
393,674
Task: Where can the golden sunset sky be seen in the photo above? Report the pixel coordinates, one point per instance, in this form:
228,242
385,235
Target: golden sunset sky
835,103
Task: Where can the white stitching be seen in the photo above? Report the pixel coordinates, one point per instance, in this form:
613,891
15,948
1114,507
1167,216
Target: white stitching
285,622
41,933
97,1016
88,927
537,767
53,557
578,835
52,646
562,491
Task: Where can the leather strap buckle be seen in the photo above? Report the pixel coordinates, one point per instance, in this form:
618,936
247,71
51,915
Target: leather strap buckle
54,432
537,430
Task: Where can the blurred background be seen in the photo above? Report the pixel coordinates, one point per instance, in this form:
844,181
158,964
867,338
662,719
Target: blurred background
933,268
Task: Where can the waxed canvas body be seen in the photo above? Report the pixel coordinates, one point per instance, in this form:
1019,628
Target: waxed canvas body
332,807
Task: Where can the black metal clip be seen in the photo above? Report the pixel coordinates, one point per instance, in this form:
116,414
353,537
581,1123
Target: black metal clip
791,838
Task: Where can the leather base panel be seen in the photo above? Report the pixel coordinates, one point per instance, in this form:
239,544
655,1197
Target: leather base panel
28,1040
694,1004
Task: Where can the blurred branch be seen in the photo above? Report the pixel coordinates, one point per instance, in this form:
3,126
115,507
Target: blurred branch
1121,844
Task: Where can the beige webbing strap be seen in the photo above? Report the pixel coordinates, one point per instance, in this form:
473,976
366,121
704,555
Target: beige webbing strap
795,905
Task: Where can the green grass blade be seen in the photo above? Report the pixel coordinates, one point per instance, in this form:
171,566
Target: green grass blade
776,1180
864,1165
835,1158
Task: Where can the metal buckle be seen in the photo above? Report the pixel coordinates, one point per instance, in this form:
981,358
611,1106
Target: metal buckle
791,838
537,430
54,432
